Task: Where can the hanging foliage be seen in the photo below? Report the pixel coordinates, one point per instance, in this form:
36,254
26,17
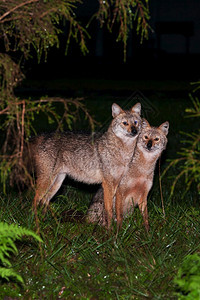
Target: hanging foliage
28,25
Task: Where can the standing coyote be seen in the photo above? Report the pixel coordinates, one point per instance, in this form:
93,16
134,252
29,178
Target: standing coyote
89,159
137,181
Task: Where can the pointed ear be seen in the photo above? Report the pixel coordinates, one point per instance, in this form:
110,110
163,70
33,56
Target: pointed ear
145,123
116,110
136,108
164,127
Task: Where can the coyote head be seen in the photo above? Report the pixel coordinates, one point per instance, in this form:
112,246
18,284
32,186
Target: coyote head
153,139
126,124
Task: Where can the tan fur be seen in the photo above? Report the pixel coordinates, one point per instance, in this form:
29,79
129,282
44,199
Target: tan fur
137,181
90,159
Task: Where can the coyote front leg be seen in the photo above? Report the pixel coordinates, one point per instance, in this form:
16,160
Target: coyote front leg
142,203
119,208
109,189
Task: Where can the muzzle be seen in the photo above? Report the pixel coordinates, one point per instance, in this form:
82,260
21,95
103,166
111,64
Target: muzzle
149,144
133,130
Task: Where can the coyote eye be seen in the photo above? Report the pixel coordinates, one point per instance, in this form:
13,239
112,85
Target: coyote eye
156,139
125,123
135,122
146,137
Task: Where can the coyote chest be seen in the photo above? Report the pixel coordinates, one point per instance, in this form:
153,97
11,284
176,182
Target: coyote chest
137,188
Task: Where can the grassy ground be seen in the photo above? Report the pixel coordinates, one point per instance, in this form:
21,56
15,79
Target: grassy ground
78,260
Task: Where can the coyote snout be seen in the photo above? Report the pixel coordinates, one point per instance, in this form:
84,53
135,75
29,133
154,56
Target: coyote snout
134,130
149,144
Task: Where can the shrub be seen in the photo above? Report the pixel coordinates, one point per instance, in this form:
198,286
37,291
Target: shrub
188,278
189,156
8,235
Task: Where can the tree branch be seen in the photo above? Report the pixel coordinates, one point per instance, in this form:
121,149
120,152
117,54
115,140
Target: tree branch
15,8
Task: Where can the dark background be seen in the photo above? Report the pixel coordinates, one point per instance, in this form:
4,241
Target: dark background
172,50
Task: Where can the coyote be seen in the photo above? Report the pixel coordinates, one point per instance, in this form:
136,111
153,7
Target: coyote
137,181
87,158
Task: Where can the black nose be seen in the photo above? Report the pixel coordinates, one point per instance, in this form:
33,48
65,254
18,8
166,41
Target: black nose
133,130
149,144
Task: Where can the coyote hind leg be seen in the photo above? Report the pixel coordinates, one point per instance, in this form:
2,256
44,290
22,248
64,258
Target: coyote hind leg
47,188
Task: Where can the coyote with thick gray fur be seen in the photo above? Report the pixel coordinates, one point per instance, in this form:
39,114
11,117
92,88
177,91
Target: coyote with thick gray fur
87,158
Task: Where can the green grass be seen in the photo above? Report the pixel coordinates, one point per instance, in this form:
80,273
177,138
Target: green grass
78,260
81,261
